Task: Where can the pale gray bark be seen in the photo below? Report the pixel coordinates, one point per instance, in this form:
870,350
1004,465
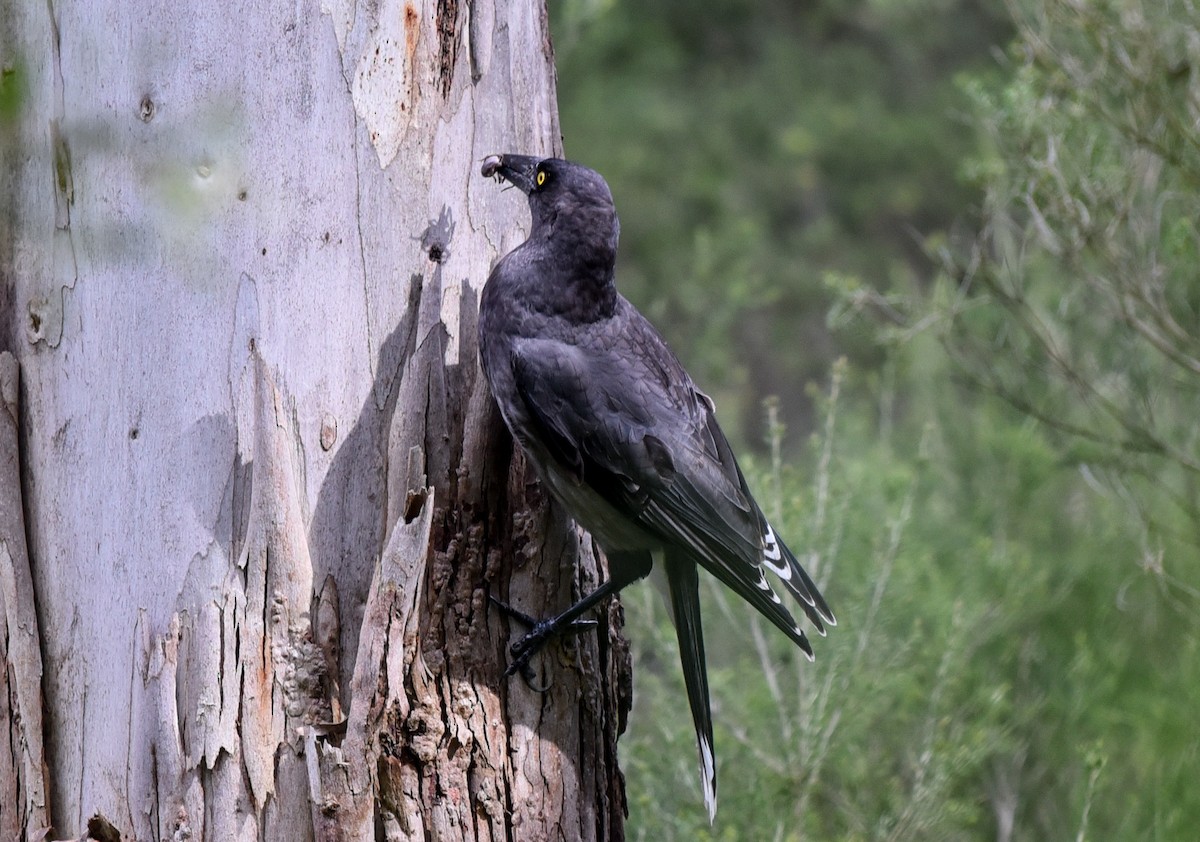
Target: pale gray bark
266,492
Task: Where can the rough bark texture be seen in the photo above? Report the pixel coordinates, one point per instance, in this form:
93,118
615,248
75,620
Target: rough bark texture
266,493
23,807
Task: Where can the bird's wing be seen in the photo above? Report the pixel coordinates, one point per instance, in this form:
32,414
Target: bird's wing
711,500
625,419
710,513
593,438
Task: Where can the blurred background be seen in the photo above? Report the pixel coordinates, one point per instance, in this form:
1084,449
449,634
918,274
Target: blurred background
936,261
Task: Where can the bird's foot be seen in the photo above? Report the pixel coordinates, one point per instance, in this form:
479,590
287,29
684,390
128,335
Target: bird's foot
540,633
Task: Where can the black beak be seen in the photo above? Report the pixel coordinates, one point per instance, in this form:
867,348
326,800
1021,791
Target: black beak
518,170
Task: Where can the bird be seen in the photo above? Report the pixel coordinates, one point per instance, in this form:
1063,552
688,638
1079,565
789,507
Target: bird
618,432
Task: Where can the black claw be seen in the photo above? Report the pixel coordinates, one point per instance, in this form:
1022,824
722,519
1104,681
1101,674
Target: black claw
539,634
578,627
522,666
509,611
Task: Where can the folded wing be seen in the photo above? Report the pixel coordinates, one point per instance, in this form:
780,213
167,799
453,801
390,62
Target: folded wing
623,418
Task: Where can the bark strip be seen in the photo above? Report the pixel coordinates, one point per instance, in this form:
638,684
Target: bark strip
24,808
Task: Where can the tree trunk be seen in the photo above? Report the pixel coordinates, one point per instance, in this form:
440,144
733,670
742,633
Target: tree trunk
265,491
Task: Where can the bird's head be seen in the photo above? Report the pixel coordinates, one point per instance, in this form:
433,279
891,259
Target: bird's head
564,197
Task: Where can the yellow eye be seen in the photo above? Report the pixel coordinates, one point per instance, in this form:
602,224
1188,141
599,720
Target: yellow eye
541,177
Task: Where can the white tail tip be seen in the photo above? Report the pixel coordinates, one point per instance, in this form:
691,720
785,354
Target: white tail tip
708,779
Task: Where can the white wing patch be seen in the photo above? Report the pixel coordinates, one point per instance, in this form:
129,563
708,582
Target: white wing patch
773,556
763,585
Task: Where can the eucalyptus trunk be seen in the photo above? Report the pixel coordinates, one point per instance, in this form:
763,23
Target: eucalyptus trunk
254,494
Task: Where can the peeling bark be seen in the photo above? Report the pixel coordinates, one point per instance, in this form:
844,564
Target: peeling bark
23,804
267,494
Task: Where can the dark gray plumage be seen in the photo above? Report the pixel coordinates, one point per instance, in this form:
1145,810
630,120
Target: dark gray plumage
617,429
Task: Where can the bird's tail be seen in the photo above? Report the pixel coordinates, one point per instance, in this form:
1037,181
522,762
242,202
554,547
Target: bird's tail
684,583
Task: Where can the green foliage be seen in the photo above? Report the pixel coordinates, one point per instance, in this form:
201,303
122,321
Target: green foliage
1079,301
